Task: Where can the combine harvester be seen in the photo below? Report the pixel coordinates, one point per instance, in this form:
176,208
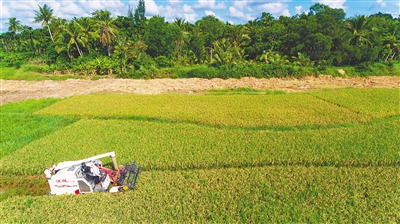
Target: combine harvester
74,177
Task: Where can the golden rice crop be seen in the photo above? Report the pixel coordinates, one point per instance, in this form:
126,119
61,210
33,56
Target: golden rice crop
324,168
188,146
233,195
295,109
377,103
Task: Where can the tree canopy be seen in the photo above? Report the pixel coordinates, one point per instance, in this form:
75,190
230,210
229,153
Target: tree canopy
324,36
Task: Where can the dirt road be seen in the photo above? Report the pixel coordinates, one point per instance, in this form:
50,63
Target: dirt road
12,90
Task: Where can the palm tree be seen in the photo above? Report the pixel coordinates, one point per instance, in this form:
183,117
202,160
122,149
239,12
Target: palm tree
107,28
58,24
74,35
391,45
88,28
182,36
124,48
44,15
358,26
31,44
14,25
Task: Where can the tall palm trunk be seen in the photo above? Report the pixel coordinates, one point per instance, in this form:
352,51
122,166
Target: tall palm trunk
48,27
77,47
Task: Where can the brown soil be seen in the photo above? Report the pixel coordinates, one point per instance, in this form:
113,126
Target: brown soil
12,90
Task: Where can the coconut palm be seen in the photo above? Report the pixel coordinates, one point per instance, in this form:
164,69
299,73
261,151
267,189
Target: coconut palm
182,36
44,15
123,48
58,24
107,28
88,28
75,36
14,25
358,26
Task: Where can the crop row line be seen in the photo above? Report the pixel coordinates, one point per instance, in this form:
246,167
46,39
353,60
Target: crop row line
353,110
245,128
284,163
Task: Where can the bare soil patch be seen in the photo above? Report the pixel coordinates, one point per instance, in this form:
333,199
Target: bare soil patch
13,90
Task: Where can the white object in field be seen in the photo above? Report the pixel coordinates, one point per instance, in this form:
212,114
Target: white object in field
114,189
69,178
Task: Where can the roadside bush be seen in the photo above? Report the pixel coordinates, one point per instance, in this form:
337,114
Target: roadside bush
203,72
34,68
62,63
16,59
163,62
363,67
18,64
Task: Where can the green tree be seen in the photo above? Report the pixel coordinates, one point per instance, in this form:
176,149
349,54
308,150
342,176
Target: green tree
139,17
210,29
361,33
108,30
123,49
155,36
44,15
88,29
74,36
14,25
29,45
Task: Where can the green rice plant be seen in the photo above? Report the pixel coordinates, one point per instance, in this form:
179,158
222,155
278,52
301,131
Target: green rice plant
177,146
218,110
19,127
27,106
272,194
377,103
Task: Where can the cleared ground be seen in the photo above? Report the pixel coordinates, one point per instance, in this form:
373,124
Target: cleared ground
13,90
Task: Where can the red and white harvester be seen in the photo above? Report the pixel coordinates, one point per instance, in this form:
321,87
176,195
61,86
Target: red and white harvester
75,177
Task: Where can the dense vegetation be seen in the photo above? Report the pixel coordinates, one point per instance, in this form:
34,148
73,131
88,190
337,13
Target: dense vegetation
197,170
139,47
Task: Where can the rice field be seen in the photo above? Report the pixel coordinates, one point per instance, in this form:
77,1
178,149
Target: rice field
329,156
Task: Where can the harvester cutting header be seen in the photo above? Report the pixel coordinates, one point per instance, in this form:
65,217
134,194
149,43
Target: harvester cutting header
89,175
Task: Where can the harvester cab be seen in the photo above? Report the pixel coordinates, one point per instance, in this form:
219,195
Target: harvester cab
88,176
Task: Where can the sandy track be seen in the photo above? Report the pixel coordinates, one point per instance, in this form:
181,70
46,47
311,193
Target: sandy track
12,90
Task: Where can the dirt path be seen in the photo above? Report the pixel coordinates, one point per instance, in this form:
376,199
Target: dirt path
12,90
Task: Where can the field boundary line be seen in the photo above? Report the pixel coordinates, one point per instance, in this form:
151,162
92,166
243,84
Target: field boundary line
253,128
343,106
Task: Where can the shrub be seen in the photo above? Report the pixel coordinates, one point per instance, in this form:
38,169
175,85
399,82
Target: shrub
33,68
203,72
163,62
